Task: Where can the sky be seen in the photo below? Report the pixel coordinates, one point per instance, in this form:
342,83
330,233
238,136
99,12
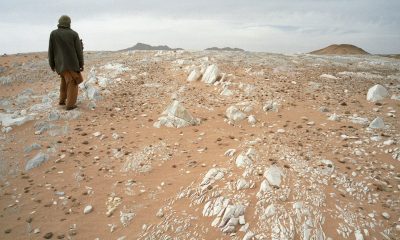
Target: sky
278,26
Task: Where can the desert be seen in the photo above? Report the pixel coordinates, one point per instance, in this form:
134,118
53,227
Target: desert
178,144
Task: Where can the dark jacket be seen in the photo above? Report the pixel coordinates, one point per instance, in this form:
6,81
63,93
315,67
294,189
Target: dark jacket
65,50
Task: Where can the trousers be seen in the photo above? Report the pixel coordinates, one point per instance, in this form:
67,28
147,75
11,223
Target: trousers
69,88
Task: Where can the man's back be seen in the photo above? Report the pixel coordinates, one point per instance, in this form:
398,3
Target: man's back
65,50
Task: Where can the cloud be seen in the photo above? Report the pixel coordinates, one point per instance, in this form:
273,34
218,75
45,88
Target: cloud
275,25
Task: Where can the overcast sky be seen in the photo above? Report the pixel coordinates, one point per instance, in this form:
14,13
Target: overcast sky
280,26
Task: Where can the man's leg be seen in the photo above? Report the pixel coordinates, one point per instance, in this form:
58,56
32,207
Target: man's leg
72,92
63,91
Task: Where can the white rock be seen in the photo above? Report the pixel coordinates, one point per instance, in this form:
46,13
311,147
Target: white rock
396,155
8,120
242,184
211,74
194,75
249,235
386,215
88,209
377,123
358,235
377,93
230,152
214,174
274,175
252,119
176,116
270,211
334,117
36,161
243,160
328,76
270,106
234,114
126,218
226,92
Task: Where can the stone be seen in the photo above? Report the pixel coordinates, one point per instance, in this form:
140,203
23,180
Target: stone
358,235
88,209
36,161
54,115
242,184
249,235
252,119
92,92
328,76
270,106
103,82
230,152
243,160
6,129
211,74
48,235
234,114
5,80
359,120
214,174
334,117
274,175
194,75
377,123
226,92
396,155
33,146
126,218
176,116
377,93
160,213
386,215
270,211
9,120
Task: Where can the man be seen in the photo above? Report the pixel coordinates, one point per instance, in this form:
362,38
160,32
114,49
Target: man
66,58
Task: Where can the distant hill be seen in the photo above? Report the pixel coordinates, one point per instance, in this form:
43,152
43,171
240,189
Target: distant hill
224,49
340,49
143,46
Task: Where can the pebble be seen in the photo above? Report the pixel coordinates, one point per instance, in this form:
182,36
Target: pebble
48,235
386,215
88,209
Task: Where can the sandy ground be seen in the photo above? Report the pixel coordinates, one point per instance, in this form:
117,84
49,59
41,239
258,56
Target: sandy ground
339,179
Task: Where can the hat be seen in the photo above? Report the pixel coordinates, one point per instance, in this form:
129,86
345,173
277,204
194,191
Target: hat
64,21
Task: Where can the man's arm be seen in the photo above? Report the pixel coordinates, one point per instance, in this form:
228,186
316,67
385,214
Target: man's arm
79,52
51,55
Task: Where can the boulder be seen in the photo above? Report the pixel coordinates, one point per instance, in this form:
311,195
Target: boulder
176,116
377,93
274,175
211,74
234,114
377,123
194,75
36,161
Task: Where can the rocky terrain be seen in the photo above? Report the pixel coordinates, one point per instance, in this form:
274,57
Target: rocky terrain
224,49
340,49
202,145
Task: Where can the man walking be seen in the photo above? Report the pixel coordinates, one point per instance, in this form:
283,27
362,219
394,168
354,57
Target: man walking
66,58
